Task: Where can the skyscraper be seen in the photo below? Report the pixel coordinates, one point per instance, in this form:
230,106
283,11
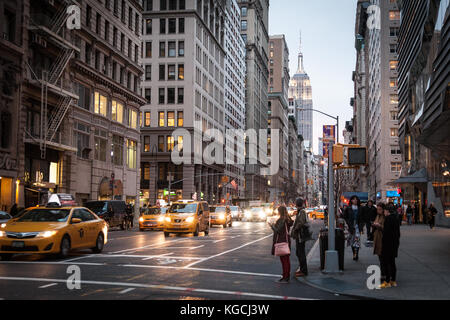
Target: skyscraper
301,92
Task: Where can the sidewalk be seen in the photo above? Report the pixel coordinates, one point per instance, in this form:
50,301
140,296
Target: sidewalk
423,268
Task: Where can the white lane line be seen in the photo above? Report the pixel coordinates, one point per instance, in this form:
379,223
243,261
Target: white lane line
158,256
217,241
127,290
311,252
149,246
140,256
193,248
48,285
78,258
228,251
52,263
159,287
267,275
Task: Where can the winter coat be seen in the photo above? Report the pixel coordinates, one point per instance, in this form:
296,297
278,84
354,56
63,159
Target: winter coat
300,221
349,217
369,213
280,233
378,235
391,236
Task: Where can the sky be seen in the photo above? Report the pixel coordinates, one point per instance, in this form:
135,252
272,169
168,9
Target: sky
328,44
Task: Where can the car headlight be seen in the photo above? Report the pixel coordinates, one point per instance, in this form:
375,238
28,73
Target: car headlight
221,216
161,219
262,215
2,225
2,234
267,210
190,220
46,234
167,219
248,214
141,219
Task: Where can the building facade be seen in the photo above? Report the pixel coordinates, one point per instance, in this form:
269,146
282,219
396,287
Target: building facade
254,31
383,142
424,105
278,111
184,81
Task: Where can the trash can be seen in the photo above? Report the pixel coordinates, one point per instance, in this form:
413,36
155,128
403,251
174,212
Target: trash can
339,246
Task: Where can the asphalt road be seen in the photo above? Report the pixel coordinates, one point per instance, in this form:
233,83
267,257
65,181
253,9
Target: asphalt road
231,264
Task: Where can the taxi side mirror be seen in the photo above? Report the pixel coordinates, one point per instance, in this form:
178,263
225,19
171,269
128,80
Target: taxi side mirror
75,220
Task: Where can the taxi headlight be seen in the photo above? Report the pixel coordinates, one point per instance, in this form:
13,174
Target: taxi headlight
141,219
190,220
262,215
2,234
167,219
2,225
47,234
248,214
267,210
161,219
221,216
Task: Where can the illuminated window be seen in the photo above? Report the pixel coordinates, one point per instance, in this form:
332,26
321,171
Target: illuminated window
181,72
131,154
132,119
394,132
161,119
408,148
180,143
117,111
160,143
170,118
146,144
180,119
147,119
393,64
100,104
394,99
170,143
394,15
393,83
396,167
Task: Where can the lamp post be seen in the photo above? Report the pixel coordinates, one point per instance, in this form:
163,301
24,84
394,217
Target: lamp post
331,255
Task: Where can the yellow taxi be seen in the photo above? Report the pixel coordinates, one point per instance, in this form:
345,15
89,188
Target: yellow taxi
152,218
187,216
221,216
53,230
317,214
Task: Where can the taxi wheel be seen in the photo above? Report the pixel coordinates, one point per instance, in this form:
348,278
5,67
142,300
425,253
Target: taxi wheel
196,232
64,247
99,244
6,256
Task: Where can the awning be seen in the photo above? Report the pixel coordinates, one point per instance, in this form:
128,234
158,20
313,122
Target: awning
419,176
363,196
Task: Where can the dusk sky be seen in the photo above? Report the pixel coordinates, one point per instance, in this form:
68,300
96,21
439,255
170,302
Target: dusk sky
329,53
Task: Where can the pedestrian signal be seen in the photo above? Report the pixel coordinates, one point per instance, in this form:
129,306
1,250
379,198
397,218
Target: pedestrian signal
338,154
357,156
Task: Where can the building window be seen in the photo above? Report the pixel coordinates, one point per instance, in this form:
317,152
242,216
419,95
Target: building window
394,132
182,4
170,95
100,104
85,97
172,49
161,96
394,115
81,140
107,31
180,96
117,111
148,95
393,99
132,119
148,49
171,119
393,31
393,48
162,72
393,64
243,25
161,119
131,154
243,11
181,72
393,83
394,15
149,5
160,143
172,25
396,167
162,49
170,143
100,146
148,72
181,48
162,5
146,144
162,26
181,25
98,21
180,143
88,15
147,119
180,119
148,26
171,72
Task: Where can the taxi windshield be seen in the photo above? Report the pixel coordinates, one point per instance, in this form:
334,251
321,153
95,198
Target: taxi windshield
217,209
234,208
154,211
183,208
257,209
45,215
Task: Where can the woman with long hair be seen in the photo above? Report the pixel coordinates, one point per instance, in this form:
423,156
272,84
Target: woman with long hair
354,219
378,226
280,237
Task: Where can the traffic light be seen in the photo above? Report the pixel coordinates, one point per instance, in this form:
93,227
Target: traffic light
338,154
357,156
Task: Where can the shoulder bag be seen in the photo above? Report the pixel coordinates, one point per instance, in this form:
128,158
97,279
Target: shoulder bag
282,248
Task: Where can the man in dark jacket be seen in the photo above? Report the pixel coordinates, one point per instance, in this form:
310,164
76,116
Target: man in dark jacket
369,213
390,244
297,233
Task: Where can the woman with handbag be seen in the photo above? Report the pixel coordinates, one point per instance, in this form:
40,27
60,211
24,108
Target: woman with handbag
281,246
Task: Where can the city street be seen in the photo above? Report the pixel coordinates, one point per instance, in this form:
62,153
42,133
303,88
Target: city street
232,263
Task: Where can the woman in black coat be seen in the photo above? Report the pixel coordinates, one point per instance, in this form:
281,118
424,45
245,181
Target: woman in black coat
354,218
390,244
281,234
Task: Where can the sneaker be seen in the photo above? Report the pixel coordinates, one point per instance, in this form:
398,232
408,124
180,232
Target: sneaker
393,283
385,285
300,274
282,281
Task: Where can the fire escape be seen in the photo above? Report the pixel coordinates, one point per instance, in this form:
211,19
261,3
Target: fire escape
52,31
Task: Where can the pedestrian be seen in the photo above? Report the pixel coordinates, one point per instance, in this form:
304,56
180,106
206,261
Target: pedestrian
353,218
409,213
14,211
389,247
425,213
378,225
400,214
432,216
369,216
300,232
416,214
280,237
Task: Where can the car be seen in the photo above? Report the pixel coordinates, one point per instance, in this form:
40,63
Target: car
292,211
187,216
4,217
53,230
152,219
236,213
255,214
317,214
220,216
112,211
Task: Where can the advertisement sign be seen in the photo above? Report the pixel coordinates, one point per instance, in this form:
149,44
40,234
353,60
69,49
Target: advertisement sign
329,133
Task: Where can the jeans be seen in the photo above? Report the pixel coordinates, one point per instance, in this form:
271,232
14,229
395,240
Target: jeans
301,255
409,216
286,264
390,269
